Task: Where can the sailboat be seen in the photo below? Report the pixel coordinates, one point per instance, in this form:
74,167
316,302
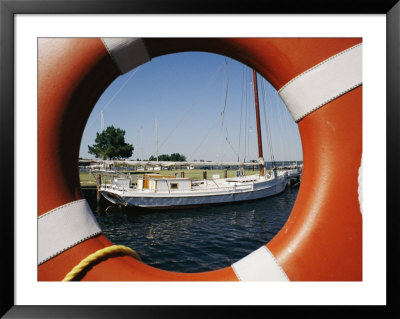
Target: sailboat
157,192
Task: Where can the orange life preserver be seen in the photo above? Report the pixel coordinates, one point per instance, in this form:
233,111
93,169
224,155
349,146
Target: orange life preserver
320,81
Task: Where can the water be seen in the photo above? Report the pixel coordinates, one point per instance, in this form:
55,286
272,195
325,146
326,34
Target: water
201,239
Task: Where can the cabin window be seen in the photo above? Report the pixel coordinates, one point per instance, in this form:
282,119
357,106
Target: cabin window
174,186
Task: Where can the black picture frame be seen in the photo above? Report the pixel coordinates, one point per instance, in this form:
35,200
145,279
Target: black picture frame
8,10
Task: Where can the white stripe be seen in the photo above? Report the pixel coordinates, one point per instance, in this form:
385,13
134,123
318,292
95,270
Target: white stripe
323,83
64,227
127,53
260,265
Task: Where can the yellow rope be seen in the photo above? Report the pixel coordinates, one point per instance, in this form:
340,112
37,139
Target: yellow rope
115,251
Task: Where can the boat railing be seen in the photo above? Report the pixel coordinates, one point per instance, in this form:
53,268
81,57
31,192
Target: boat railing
113,187
217,189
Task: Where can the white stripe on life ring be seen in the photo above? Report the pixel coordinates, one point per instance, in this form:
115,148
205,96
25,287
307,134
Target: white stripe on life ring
65,227
260,265
127,53
323,82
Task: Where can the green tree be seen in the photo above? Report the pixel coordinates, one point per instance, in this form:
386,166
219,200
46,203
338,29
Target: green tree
164,157
176,157
110,144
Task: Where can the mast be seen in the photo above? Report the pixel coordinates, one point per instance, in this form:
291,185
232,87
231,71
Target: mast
156,127
260,151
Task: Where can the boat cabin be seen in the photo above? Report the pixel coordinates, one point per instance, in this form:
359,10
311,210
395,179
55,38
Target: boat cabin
158,183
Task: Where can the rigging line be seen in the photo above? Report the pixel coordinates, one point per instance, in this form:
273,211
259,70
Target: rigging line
266,119
269,131
113,97
246,115
265,116
223,153
267,123
286,131
229,142
288,120
267,126
241,111
282,140
224,149
250,108
203,140
223,111
192,106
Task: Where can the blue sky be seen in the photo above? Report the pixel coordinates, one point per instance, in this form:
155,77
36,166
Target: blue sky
185,94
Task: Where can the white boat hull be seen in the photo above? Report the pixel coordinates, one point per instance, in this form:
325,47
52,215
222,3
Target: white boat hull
196,198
